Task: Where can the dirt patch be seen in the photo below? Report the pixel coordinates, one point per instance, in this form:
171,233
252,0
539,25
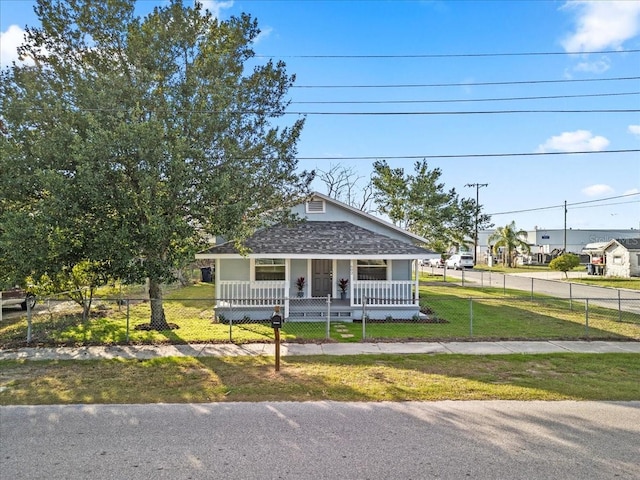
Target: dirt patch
147,326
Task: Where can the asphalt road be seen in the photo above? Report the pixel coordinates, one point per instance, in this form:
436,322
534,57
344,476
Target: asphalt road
323,440
550,283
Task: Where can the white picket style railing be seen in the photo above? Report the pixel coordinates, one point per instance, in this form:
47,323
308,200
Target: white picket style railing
252,293
376,292
384,292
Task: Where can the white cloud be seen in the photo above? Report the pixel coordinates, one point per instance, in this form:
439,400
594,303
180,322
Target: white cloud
597,190
633,191
602,25
578,141
634,130
597,66
265,32
9,43
215,7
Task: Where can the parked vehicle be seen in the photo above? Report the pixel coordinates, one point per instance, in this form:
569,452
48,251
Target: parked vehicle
436,262
459,261
17,296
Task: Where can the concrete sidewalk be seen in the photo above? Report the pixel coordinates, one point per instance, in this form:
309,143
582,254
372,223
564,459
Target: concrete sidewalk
289,349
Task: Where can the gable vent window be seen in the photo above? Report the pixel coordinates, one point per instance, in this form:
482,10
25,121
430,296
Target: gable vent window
315,206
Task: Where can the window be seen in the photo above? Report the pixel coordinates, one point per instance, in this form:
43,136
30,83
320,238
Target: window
269,269
372,269
315,206
617,260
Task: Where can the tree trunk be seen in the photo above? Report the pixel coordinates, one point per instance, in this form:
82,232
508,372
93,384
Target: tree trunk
158,318
86,304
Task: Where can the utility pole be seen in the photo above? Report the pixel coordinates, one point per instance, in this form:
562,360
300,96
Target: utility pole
564,249
475,238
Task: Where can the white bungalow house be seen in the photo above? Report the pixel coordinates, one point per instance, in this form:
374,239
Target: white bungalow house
335,242
622,257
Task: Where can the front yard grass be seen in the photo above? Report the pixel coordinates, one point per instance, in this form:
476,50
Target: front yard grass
605,377
490,315
612,282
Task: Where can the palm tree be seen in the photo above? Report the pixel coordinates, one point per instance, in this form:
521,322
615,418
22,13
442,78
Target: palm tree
511,239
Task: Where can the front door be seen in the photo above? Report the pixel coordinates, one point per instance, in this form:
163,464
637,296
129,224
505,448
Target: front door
321,276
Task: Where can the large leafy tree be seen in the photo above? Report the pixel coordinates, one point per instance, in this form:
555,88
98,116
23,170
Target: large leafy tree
511,240
130,140
420,203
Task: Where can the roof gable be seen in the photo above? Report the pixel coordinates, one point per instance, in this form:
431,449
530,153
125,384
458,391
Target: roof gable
631,244
363,219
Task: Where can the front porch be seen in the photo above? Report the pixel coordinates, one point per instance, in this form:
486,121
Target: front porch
244,300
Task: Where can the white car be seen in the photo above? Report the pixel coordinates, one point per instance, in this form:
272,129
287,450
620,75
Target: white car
460,261
436,262
17,296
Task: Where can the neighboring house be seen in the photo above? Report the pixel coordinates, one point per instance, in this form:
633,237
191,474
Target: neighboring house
336,241
595,251
622,257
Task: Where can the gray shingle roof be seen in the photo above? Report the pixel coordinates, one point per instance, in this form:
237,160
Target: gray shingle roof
334,238
629,243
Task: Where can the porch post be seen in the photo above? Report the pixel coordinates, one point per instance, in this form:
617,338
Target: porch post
216,285
287,286
351,290
416,295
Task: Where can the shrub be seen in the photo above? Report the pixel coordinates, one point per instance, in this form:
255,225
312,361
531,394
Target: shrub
564,263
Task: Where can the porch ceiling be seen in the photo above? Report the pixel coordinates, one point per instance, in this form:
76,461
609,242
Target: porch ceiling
320,240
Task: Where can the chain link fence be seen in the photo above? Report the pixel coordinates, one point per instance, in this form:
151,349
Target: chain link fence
508,283
58,321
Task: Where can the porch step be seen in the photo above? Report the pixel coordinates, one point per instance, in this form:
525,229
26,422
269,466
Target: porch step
320,315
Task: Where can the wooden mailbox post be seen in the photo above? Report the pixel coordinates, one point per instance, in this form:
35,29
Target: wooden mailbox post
276,323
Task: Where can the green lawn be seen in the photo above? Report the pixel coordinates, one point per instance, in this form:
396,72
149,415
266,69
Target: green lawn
605,377
488,316
628,283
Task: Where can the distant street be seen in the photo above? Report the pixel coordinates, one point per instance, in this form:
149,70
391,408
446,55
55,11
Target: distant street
548,283
323,440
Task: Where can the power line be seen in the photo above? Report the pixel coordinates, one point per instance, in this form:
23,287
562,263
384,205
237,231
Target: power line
465,112
472,84
453,55
537,209
310,113
473,155
606,204
462,100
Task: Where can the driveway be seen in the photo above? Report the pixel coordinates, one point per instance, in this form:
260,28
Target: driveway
9,313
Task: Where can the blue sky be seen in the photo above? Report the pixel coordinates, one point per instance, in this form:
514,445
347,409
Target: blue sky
438,47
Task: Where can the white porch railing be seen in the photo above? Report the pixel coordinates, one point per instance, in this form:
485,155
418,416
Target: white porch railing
241,292
377,292
384,292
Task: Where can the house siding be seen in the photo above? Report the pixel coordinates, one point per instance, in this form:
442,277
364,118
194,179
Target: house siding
343,270
634,263
334,213
617,259
234,269
298,269
622,262
401,270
